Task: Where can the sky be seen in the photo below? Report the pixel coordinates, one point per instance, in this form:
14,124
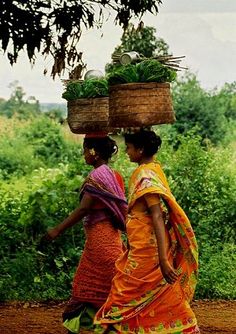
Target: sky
204,31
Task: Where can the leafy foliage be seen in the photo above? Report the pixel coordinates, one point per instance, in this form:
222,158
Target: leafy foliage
47,141
40,143
146,71
200,109
54,27
86,89
153,71
142,40
203,181
217,271
123,74
226,100
25,262
16,164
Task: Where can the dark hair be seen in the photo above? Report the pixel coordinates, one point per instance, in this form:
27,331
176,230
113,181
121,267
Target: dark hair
104,146
144,139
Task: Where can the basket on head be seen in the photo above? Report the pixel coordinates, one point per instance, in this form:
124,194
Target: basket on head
88,115
140,104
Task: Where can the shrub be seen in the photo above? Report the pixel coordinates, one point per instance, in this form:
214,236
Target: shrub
196,107
217,278
16,157
204,185
46,139
30,269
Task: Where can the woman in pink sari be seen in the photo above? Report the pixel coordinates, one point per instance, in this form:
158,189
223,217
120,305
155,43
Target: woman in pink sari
103,207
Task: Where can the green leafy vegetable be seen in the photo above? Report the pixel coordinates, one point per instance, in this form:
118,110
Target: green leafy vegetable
146,71
153,71
86,89
124,74
149,70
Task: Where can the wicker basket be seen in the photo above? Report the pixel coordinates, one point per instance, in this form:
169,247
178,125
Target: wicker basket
140,104
88,115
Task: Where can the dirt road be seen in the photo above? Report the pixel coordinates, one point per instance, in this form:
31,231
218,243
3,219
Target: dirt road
218,317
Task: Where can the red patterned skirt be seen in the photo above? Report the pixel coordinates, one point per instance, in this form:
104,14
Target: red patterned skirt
96,269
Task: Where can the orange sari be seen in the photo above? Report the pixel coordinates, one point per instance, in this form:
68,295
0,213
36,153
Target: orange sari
140,300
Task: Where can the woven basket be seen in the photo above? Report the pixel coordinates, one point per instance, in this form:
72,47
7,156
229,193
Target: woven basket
140,104
88,115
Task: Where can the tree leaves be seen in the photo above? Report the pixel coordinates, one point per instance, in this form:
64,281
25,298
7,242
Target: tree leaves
54,27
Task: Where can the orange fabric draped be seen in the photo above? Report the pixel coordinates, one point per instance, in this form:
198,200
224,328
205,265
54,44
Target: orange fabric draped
140,300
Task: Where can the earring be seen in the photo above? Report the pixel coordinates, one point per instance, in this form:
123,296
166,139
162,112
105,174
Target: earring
92,151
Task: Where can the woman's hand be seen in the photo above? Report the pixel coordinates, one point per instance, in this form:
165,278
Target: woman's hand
168,272
52,234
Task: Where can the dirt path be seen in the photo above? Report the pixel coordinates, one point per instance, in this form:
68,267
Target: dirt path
218,317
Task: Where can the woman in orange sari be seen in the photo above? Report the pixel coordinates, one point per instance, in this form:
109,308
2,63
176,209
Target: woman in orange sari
103,207
156,276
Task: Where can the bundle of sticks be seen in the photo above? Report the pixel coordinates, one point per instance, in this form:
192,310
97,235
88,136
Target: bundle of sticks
167,60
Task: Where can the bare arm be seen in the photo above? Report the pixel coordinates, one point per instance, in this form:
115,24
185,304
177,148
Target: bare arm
159,227
79,213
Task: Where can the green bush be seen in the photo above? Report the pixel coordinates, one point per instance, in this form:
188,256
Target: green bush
47,140
204,184
40,143
217,278
16,157
195,107
25,217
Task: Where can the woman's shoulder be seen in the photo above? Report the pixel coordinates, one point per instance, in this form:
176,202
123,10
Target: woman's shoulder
101,170
151,167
